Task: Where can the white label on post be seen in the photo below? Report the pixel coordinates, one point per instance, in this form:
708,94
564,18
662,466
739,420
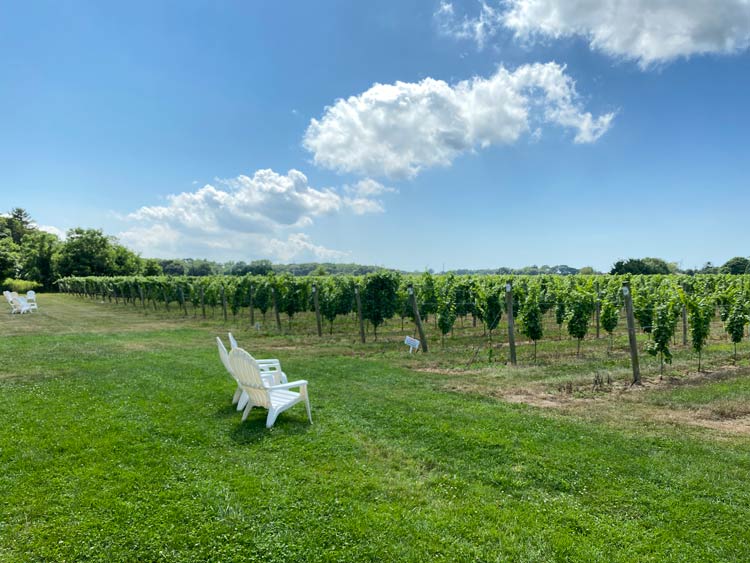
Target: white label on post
625,291
412,343
507,287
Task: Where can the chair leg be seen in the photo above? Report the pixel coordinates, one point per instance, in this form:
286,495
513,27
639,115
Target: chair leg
307,404
248,408
244,398
236,397
272,414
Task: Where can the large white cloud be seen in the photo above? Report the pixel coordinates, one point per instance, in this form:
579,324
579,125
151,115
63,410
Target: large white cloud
252,217
648,31
398,129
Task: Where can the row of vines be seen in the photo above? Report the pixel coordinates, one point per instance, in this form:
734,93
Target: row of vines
580,303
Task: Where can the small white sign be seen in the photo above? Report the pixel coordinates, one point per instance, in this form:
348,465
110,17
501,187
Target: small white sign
257,326
412,343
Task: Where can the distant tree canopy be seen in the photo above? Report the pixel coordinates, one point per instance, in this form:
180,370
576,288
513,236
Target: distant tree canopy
30,254
737,265
643,266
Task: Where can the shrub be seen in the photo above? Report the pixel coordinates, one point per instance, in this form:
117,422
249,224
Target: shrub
20,286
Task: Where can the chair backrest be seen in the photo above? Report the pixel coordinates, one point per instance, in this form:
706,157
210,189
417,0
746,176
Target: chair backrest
245,369
7,295
224,355
232,341
31,294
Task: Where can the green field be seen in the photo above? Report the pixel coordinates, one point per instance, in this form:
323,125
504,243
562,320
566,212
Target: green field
119,443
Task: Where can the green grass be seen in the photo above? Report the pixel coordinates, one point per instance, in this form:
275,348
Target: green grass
119,443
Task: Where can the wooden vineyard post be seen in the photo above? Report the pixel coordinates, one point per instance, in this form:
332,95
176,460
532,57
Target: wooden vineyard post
224,303
317,310
117,300
417,319
631,333
276,309
140,294
359,315
511,332
252,307
166,298
203,302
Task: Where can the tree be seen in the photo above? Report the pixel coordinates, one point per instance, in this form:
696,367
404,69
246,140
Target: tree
173,267
735,266
379,297
427,298
125,262
664,322
9,258
610,317
446,305
37,257
151,267
261,267
647,266
700,313
736,324
17,224
531,318
85,252
490,297
580,307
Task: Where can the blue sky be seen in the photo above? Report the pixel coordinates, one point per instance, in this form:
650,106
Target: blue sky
246,130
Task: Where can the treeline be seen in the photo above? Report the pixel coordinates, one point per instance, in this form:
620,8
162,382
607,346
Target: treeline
29,255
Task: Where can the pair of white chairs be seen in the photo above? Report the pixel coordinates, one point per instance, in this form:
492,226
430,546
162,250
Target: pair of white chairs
20,305
261,383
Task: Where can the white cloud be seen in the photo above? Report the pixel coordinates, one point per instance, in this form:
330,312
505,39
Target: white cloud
368,187
59,233
479,29
648,31
258,216
398,129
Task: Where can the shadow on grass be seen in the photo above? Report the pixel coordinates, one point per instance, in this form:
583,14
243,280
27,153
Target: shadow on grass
254,428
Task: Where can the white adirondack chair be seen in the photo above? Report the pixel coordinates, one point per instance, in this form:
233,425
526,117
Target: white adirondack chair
267,365
31,296
275,398
224,355
19,306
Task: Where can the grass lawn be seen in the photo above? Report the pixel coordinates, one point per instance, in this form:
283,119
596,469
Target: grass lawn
118,442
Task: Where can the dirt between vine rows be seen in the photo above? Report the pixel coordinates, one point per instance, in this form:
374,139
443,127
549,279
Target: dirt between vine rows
617,400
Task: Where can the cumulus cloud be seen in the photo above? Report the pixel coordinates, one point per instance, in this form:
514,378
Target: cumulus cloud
398,129
647,31
51,229
257,216
479,29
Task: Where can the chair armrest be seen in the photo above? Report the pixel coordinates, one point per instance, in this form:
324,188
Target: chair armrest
290,385
268,361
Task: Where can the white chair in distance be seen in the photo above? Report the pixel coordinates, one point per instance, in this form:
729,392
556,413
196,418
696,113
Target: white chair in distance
267,366
275,398
31,297
19,306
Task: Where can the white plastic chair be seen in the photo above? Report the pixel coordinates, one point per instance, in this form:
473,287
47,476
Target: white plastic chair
19,306
31,296
267,365
240,398
275,398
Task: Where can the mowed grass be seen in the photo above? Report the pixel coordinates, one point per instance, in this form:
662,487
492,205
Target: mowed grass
118,442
